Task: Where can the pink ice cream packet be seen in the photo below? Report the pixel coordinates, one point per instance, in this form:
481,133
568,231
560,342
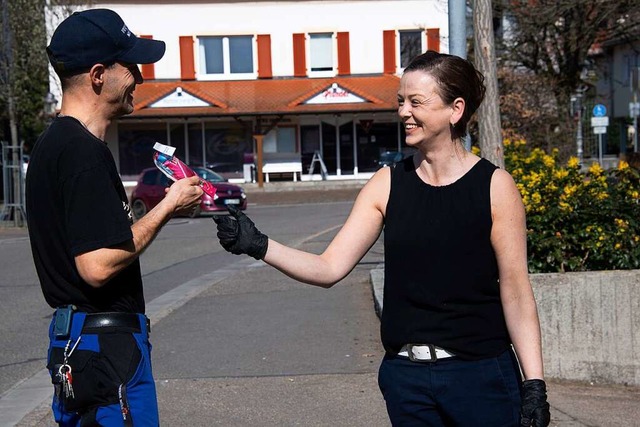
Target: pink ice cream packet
174,168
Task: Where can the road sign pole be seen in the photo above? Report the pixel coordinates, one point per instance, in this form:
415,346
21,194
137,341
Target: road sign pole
579,136
600,149
599,123
634,110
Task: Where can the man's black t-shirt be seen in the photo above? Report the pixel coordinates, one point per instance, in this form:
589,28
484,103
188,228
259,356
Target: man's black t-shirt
76,203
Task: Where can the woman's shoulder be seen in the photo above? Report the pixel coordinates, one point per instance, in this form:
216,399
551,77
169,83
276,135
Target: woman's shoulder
376,191
504,189
501,177
381,178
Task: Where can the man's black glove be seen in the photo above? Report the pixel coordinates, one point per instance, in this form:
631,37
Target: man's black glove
535,409
239,235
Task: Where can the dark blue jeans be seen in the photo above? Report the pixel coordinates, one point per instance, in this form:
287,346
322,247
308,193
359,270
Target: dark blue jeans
452,392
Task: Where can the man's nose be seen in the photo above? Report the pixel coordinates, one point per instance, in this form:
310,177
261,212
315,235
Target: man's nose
137,75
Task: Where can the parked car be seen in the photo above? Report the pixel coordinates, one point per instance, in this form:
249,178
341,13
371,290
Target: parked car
390,158
150,190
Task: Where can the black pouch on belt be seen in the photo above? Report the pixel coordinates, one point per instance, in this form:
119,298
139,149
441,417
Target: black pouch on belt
96,375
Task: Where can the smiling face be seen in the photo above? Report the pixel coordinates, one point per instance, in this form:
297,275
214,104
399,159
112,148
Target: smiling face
122,80
425,116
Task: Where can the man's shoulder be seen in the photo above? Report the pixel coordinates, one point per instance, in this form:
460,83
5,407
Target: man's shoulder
76,141
65,135
69,154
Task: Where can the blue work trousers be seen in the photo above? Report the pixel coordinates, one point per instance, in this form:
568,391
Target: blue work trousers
452,392
111,377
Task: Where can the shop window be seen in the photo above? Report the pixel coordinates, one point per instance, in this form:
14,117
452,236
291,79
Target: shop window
230,56
376,143
177,138
309,143
280,140
135,147
286,140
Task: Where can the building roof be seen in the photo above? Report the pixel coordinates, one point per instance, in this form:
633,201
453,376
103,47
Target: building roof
266,97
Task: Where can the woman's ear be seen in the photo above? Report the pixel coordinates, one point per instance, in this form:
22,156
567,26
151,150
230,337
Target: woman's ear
457,110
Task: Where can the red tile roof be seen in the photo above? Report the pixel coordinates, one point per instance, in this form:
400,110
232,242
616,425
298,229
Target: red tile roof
268,97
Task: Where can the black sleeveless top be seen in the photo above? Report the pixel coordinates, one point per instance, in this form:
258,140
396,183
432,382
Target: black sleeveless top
441,274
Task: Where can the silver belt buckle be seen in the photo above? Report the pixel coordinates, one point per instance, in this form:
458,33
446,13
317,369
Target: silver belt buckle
432,353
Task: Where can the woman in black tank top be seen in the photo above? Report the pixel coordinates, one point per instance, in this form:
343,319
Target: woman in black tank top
457,296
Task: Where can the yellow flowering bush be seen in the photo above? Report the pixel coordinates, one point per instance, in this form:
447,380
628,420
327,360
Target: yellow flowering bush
576,220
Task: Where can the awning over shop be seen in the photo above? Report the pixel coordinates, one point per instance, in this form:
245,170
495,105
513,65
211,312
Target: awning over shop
266,97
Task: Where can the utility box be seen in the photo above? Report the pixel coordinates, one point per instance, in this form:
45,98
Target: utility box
248,172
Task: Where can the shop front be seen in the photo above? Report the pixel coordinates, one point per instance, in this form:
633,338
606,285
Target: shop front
238,128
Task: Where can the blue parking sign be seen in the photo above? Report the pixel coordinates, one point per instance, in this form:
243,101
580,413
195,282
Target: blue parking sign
599,110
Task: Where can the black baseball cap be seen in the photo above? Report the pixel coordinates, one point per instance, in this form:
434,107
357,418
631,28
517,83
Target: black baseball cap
99,36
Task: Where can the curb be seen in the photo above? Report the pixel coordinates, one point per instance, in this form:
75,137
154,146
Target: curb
377,287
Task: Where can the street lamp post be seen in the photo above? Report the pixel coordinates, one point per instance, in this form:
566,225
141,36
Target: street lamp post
576,107
634,105
634,112
50,104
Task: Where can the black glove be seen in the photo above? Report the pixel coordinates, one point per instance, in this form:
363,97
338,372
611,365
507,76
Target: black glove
535,409
239,235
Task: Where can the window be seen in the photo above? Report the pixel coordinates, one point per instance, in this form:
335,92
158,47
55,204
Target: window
280,140
135,148
410,46
226,56
321,53
286,140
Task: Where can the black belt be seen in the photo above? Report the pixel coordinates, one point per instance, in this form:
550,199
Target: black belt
95,321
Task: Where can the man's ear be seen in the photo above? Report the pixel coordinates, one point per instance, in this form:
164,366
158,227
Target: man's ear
457,110
96,74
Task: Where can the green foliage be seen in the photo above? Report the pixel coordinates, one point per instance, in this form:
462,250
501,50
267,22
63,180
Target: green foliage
23,67
576,221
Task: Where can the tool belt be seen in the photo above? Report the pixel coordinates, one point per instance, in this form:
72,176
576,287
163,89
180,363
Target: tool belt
95,322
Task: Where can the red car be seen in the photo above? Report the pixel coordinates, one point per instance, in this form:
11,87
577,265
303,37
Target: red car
151,185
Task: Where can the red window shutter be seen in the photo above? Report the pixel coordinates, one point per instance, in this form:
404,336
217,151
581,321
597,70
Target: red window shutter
389,49
299,56
148,71
433,39
264,56
187,60
344,56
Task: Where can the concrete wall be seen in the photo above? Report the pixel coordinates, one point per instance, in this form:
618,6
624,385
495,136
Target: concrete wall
590,324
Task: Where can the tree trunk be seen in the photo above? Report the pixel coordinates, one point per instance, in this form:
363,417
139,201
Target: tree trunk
490,130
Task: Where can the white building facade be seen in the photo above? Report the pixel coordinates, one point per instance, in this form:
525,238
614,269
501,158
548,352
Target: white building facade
273,82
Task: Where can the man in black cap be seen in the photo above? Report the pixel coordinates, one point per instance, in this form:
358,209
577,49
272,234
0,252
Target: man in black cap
84,242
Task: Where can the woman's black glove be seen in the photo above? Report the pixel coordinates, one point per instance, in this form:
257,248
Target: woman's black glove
535,409
239,235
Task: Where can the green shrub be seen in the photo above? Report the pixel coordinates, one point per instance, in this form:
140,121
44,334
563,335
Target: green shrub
576,221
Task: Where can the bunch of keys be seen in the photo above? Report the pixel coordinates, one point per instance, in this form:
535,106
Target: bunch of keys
65,375
64,371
